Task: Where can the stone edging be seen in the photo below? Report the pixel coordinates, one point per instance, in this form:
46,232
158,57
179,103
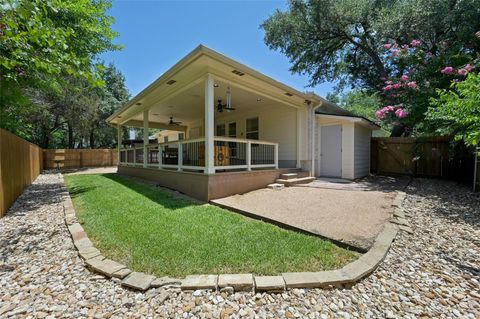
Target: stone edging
342,278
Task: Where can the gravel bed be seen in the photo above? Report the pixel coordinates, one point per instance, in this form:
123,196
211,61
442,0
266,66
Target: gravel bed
434,272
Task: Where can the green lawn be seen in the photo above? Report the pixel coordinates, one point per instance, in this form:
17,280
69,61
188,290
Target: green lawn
149,230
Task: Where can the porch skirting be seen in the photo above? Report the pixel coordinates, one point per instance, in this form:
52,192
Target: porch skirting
206,187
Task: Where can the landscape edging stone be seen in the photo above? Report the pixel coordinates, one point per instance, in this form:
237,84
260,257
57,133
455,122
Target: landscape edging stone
344,277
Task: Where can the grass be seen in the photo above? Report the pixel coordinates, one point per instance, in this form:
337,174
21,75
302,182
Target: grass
150,230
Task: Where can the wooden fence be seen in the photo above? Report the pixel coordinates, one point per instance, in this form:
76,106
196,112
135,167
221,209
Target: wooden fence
71,158
430,156
20,163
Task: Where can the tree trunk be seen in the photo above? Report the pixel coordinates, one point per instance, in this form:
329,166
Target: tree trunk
71,142
397,130
92,138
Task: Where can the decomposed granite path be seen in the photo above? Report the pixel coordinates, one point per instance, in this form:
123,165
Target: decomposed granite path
432,273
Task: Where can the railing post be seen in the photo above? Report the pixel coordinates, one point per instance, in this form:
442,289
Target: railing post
276,156
180,156
160,156
134,156
249,156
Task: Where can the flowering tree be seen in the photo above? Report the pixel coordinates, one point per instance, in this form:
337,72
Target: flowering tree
457,111
418,71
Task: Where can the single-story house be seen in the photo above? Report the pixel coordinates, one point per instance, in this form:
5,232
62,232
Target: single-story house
226,129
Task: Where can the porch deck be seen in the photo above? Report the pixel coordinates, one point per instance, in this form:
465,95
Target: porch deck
206,187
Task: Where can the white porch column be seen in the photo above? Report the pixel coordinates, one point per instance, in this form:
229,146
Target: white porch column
209,118
119,141
145,138
299,140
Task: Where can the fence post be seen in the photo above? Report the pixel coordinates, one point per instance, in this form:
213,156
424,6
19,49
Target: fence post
81,164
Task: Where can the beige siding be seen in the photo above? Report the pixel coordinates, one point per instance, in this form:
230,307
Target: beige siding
277,123
362,151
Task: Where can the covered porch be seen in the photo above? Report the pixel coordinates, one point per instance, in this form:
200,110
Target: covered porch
214,116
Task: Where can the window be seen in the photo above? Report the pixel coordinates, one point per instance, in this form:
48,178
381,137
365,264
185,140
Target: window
232,129
232,132
165,139
181,136
252,129
220,130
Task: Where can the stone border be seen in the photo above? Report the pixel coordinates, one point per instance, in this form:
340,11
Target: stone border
340,278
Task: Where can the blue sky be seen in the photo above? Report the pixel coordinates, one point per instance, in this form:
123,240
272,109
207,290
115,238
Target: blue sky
156,34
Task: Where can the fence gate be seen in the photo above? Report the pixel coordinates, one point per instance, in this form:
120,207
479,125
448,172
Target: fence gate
426,156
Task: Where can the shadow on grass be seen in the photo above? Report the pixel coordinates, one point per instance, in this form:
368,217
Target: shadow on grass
161,196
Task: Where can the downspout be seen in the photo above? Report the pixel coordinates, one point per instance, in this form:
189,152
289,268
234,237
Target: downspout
313,134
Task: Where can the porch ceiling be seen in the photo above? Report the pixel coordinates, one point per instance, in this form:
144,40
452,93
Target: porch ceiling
188,106
179,92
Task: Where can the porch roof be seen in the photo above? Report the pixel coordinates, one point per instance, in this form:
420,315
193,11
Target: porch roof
189,73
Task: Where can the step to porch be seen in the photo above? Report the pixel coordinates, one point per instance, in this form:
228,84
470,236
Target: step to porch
298,174
295,181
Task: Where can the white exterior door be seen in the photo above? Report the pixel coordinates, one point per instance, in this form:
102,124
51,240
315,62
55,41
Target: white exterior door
331,151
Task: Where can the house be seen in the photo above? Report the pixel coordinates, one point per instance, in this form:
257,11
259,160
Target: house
228,129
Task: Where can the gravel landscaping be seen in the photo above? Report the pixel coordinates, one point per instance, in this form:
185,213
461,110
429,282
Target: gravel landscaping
433,272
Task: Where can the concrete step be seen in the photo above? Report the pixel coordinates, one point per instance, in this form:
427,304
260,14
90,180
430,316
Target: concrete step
288,176
276,186
294,181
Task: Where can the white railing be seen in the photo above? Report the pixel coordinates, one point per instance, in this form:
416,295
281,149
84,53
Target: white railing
229,154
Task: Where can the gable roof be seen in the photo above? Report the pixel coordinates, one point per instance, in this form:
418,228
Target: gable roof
202,54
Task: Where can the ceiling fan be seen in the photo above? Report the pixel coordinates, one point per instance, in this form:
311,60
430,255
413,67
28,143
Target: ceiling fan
172,122
228,106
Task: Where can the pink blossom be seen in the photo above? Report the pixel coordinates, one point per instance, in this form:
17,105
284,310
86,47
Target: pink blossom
380,114
388,87
405,46
388,82
395,52
477,34
387,46
388,108
415,43
401,113
448,70
404,77
468,67
397,86
462,71
412,84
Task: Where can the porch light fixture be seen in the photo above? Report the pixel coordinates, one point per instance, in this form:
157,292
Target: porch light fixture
288,94
215,85
138,103
171,82
259,100
228,106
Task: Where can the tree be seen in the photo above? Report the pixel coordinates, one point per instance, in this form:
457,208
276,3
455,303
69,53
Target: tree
370,43
42,42
457,111
358,102
342,40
